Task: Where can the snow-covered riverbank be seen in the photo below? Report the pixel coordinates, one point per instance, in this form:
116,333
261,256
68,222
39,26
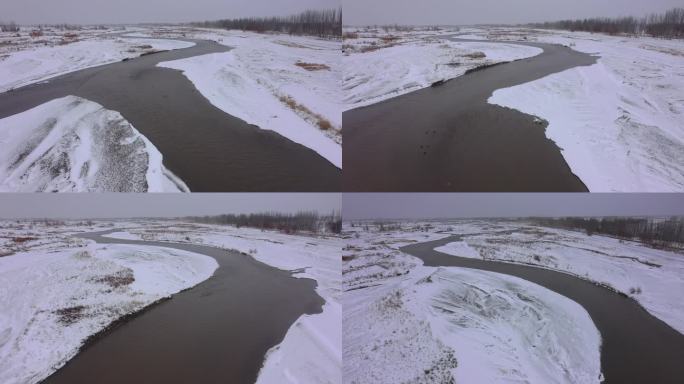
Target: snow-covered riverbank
618,122
406,322
287,84
380,64
56,291
653,277
25,60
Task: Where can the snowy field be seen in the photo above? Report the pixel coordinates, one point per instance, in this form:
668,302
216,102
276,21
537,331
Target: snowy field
404,322
287,84
618,122
75,145
25,59
384,63
311,352
652,277
57,290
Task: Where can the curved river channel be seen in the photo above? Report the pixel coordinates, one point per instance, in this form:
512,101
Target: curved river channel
448,138
216,332
210,150
636,346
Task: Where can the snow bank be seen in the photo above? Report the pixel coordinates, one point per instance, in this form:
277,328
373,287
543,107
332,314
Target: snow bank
618,122
260,82
39,64
311,352
459,248
75,145
51,302
415,63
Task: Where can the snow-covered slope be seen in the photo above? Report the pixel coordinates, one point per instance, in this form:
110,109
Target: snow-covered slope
618,122
52,301
75,145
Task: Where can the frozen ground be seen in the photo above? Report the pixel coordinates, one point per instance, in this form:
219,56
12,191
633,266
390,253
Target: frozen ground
312,349
287,84
618,122
404,322
75,145
56,291
380,64
25,60
653,277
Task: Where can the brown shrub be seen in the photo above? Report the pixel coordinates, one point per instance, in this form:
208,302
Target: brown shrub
119,279
312,66
70,315
20,240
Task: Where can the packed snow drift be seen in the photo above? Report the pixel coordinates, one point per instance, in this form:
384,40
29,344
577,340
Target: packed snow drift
76,145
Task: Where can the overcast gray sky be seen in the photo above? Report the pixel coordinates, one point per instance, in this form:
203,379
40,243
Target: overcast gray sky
455,205
123,205
465,12
135,11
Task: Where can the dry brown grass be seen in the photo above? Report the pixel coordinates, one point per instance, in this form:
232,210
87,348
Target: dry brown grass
312,66
20,240
70,315
350,35
119,279
389,39
322,123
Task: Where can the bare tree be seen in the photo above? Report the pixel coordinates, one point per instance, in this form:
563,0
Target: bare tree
9,27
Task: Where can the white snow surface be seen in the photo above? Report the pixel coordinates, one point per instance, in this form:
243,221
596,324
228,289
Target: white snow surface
52,300
376,71
311,352
37,64
510,330
652,277
255,78
72,144
618,122
404,322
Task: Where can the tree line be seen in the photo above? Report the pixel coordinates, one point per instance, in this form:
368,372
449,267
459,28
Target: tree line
651,231
322,23
669,24
9,27
283,222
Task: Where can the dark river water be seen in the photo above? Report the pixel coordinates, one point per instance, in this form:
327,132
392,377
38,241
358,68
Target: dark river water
216,332
209,149
636,346
448,138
